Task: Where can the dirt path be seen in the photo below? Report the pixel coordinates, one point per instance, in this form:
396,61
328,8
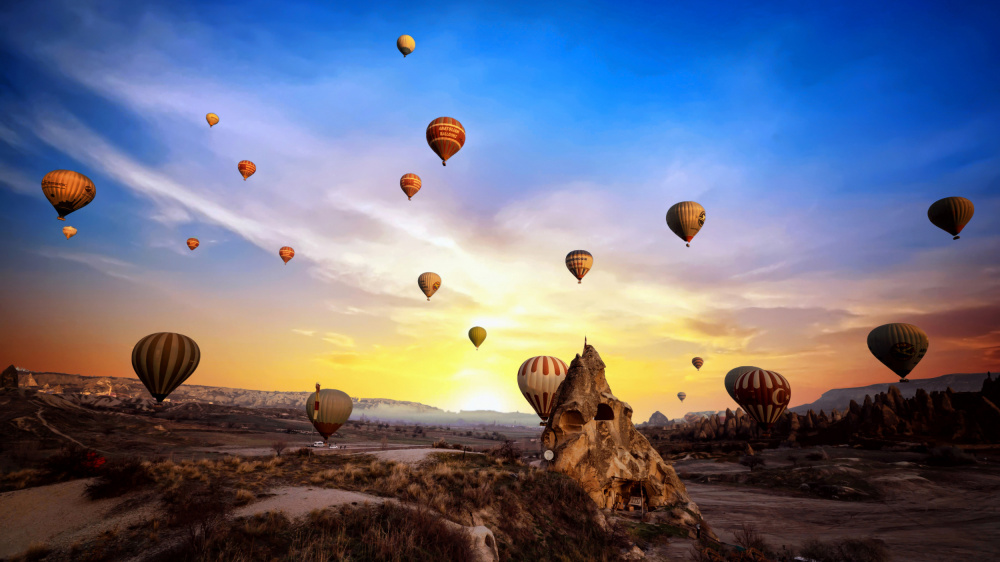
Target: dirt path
38,414
296,501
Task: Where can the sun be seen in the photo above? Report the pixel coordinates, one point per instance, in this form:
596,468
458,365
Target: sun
483,401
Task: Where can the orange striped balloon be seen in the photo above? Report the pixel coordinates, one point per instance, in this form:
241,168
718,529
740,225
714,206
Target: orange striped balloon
163,361
429,283
579,263
410,183
68,191
697,362
951,214
763,395
246,168
446,136
539,378
286,253
193,243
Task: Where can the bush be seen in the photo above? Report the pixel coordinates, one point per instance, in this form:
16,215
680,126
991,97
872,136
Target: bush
74,462
303,452
948,456
119,477
752,461
279,447
507,452
749,538
854,550
441,444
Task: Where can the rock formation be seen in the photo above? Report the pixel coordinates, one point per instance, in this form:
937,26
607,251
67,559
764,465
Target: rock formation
591,433
8,379
658,419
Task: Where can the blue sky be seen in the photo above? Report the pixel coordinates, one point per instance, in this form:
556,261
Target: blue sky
815,137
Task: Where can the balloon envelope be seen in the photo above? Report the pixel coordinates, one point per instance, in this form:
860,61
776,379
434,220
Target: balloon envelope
579,262
286,253
246,168
682,396
68,191
697,362
477,335
328,409
951,214
685,219
763,395
898,346
731,377
538,378
192,243
212,119
410,184
429,283
163,361
446,136
406,44
69,232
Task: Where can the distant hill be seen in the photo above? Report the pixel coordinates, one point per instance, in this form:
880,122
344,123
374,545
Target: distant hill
840,398
369,408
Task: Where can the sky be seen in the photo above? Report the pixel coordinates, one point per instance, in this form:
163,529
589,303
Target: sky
815,136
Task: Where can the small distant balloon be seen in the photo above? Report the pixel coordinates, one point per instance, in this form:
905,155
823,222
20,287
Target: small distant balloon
246,168
286,253
951,214
163,361
682,395
212,119
429,283
685,219
697,362
478,336
446,136
898,346
406,44
192,243
68,191
579,262
763,395
410,184
328,409
69,232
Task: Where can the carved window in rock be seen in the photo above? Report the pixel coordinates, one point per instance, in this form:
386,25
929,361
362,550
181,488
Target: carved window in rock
571,421
604,413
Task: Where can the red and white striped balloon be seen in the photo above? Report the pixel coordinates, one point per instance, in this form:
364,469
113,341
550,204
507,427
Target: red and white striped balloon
763,395
538,378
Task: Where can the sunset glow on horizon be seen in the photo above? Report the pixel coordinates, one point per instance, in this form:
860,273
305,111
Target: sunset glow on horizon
815,140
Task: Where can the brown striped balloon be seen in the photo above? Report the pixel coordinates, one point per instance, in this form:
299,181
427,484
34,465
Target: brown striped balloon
328,409
697,362
685,219
446,136
193,243
763,395
951,214
539,378
579,263
246,168
286,253
429,283
410,183
163,361
68,191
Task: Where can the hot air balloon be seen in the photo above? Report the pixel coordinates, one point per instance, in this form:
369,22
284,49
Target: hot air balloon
579,262
686,219
951,214
477,335
538,378
898,346
405,44
69,232
212,119
446,136
246,168
682,395
429,283
697,362
328,409
410,183
763,395
734,374
163,361
193,243
68,191
286,253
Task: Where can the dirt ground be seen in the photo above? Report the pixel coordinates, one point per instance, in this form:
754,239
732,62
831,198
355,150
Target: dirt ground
927,513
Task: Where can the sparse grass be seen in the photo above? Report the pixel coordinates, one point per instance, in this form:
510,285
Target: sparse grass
244,496
119,477
21,479
854,550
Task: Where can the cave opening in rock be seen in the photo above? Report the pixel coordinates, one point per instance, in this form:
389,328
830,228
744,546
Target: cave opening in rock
604,413
627,495
571,421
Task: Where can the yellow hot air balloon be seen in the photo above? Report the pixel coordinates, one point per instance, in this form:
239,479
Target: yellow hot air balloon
163,361
212,119
898,346
579,262
951,214
429,283
286,253
246,168
477,335
538,378
445,136
68,191
193,243
69,232
405,44
686,219
328,409
410,184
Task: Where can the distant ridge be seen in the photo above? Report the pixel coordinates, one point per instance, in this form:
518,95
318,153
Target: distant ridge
840,398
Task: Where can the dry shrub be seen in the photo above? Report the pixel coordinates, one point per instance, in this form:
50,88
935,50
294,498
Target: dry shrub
750,538
441,444
36,551
246,467
21,479
752,461
119,477
244,496
854,550
74,462
506,453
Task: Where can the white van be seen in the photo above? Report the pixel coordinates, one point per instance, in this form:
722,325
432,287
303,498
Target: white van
318,444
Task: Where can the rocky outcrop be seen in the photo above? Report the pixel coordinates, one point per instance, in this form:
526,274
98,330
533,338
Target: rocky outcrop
594,442
658,419
8,378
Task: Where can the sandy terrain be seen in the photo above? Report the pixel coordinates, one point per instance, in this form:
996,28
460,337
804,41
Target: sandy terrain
27,516
296,501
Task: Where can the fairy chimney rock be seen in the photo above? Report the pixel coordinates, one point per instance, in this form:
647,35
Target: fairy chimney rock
594,441
8,379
